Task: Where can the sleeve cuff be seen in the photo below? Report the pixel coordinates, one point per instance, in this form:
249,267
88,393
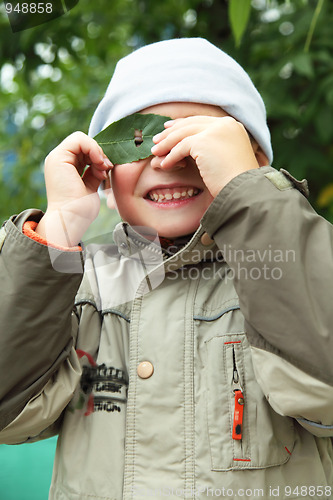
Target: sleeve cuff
215,215
315,428
29,230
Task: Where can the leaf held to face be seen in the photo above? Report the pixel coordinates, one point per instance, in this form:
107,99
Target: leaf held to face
130,139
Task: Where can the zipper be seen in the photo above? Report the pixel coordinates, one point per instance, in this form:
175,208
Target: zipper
237,426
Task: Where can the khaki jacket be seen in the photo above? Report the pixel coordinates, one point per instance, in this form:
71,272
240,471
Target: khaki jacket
205,373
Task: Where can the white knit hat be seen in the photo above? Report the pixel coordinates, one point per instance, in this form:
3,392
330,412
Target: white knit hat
183,70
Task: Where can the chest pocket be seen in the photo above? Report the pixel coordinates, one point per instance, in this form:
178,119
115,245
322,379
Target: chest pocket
249,435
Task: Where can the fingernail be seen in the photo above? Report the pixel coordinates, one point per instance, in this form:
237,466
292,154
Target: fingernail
156,137
161,163
169,122
107,162
154,149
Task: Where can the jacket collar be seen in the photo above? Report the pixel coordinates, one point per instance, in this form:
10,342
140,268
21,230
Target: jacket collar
131,243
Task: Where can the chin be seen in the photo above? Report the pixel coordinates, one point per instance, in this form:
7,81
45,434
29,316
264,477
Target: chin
172,232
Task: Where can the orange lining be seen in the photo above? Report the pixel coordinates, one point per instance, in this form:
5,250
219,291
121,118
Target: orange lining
29,230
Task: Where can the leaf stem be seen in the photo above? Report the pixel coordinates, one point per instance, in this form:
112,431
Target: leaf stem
314,20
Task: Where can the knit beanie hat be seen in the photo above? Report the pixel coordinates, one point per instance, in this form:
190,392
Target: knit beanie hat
183,70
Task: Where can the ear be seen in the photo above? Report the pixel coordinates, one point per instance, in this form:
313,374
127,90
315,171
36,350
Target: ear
108,193
260,155
110,201
261,158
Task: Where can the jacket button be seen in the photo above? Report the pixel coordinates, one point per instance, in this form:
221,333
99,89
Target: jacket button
145,369
206,240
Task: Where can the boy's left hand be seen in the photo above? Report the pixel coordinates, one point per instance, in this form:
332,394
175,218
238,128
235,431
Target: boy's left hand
220,146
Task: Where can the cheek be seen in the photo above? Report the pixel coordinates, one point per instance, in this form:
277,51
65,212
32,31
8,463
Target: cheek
123,180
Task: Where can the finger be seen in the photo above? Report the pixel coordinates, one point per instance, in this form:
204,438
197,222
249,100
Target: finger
203,119
92,180
86,150
177,121
101,163
156,161
100,174
95,157
193,124
177,154
80,163
167,125
78,143
171,123
173,137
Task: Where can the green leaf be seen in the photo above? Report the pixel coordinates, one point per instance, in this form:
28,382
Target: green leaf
239,14
303,65
118,139
326,196
324,125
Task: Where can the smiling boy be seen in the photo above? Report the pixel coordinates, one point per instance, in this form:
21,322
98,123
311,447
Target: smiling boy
212,148
172,196
193,385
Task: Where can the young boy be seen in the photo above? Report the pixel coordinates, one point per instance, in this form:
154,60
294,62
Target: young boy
197,370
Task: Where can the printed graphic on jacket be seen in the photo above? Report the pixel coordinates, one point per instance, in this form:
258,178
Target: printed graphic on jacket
102,387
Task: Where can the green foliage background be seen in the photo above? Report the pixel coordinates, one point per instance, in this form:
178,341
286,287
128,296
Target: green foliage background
53,76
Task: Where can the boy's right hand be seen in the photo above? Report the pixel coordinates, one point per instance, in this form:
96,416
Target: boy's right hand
72,198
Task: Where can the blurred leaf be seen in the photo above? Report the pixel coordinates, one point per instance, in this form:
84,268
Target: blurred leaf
303,65
324,124
326,196
239,14
118,139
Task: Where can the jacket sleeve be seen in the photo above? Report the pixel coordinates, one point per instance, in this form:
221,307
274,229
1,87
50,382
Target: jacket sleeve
37,356
280,252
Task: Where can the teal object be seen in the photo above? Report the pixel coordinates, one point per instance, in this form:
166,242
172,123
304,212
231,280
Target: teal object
26,470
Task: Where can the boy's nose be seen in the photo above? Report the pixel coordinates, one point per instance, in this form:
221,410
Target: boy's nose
156,163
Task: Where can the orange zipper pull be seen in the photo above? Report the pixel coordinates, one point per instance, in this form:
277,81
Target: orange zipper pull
237,428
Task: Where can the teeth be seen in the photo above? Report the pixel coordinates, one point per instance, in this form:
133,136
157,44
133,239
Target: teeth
176,195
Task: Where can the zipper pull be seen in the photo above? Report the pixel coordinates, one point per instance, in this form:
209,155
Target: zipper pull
236,385
237,427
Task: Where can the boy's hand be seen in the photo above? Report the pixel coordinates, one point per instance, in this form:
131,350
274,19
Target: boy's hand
73,201
220,147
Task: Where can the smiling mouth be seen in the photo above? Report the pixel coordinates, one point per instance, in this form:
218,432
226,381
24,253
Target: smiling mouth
165,195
